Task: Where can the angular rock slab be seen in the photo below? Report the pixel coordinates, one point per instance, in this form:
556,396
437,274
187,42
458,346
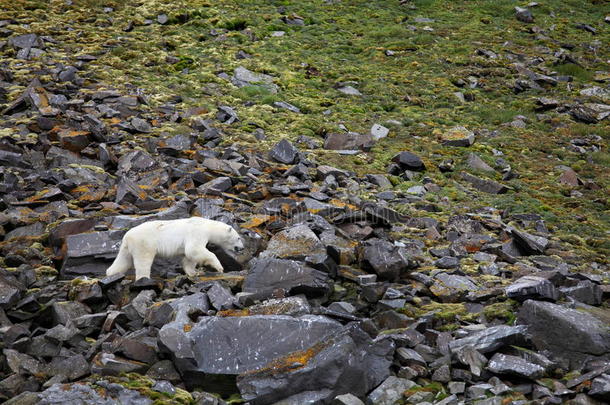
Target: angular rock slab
296,243
346,362
491,339
234,345
576,335
90,253
513,365
533,287
268,275
390,391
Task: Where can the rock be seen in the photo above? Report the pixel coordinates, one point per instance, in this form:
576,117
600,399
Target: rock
349,90
451,287
476,163
389,262
65,312
110,364
379,131
487,186
569,178
390,391
286,106
226,115
211,345
220,297
409,161
513,365
379,180
590,113
90,253
346,399
491,339
296,243
575,335
284,152
345,362
293,306
529,244
596,91
140,125
268,275
545,103
243,77
163,369
347,141
600,387
447,262
469,356
458,136
585,291
79,393
10,289
524,15
136,349
532,287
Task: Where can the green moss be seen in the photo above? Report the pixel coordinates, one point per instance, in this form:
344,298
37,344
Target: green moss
504,310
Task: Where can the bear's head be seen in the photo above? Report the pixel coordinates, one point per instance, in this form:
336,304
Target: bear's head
232,240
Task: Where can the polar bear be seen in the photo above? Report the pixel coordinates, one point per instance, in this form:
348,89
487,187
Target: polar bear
186,237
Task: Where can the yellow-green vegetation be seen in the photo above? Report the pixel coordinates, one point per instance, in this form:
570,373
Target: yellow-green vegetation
448,316
504,310
144,386
406,70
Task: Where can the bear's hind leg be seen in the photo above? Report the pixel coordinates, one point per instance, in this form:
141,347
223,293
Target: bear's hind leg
142,261
122,262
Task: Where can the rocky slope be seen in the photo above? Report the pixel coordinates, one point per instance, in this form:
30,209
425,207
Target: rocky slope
422,188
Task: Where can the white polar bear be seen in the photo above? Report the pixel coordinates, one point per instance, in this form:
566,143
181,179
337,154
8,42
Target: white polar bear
179,237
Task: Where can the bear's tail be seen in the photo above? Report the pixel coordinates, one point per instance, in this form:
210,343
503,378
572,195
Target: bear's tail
123,261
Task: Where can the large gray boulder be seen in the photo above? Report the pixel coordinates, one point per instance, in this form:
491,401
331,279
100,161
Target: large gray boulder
573,334
235,345
347,362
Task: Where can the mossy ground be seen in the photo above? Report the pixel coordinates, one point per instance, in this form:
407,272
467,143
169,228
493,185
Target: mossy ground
411,91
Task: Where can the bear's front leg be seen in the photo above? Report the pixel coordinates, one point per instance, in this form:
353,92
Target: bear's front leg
201,255
189,266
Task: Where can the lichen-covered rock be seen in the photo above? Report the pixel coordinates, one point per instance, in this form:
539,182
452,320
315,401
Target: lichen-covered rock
238,344
345,362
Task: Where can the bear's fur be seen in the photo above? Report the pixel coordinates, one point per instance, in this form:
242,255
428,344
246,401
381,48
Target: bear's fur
180,237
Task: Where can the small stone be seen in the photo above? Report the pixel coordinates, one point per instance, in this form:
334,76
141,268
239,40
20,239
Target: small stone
409,161
379,131
458,136
390,391
524,15
284,152
346,399
487,186
140,125
349,90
